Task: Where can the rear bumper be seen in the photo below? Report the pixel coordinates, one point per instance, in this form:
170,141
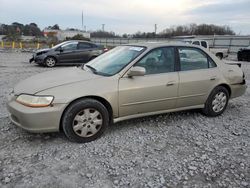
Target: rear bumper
238,89
38,120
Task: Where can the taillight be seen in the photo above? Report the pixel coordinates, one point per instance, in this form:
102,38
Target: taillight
105,49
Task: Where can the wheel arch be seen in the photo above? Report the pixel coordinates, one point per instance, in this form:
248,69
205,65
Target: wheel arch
99,99
227,87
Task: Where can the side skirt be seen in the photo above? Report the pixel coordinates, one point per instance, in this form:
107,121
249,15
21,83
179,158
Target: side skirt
156,113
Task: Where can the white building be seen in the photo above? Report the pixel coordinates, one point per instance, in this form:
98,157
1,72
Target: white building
62,34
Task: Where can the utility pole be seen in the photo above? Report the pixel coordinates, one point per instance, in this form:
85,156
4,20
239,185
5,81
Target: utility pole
103,25
155,28
82,20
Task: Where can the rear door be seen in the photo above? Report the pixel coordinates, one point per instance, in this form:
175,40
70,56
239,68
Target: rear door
198,76
85,51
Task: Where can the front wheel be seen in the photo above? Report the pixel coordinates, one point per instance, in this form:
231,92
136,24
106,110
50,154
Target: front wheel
85,120
50,61
216,102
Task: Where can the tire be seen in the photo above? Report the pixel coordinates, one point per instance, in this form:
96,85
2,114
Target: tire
216,102
85,120
50,62
219,55
92,58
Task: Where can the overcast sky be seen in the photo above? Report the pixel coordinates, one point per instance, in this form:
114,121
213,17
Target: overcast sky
127,16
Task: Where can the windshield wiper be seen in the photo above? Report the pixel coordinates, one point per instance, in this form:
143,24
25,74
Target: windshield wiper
91,68
95,71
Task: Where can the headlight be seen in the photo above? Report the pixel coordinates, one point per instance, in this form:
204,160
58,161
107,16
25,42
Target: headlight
34,100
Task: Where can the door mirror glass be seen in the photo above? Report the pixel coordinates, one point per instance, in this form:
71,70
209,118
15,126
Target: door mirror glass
136,71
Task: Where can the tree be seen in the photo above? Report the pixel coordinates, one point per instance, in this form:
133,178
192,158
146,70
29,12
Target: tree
78,37
19,29
103,34
193,29
56,27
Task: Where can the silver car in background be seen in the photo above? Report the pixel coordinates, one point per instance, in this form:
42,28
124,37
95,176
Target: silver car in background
129,81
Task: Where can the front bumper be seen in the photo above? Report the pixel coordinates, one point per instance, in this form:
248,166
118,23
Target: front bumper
39,59
46,119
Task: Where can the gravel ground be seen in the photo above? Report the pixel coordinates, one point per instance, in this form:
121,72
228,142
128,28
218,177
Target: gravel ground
184,149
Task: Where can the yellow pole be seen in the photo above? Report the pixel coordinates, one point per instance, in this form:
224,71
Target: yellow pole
52,45
38,45
21,45
13,45
2,45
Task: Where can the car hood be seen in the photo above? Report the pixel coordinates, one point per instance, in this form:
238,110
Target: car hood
42,51
51,79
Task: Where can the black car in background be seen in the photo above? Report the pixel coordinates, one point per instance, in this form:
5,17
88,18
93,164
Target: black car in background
244,54
68,53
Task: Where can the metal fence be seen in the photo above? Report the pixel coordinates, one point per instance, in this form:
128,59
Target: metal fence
232,43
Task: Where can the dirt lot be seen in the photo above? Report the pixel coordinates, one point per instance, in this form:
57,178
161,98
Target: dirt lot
183,149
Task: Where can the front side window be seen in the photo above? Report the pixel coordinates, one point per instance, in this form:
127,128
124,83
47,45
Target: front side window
70,46
161,60
192,59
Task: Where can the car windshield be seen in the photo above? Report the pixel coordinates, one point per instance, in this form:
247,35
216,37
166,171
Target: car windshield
60,44
113,61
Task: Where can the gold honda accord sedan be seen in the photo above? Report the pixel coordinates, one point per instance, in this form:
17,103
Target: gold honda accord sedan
129,81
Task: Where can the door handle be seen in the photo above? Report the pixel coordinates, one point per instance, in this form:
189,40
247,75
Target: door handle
213,78
171,83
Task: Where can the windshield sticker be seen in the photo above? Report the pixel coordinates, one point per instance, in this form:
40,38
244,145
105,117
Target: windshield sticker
136,48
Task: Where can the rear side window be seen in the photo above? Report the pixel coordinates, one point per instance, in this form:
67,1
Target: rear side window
204,44
193,59
211,63
83,45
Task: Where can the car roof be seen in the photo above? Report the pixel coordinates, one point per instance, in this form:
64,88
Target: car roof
79,41
160,44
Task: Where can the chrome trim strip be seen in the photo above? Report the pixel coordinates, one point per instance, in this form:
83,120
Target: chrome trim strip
165,99
149,101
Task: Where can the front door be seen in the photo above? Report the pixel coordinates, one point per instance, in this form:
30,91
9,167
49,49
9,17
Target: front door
156,91
69,53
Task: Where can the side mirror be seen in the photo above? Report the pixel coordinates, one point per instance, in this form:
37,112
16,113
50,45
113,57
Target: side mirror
136,71
61,50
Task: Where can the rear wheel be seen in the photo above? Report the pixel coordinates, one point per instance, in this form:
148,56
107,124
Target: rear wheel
216,102
85,120
50,61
